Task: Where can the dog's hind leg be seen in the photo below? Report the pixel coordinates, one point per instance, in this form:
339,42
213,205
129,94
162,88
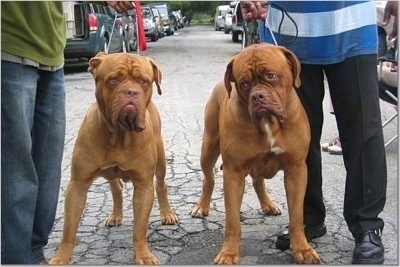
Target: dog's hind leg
210,152
268,207
116,216
168,216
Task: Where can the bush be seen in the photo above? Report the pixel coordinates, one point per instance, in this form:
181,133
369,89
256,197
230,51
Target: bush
201,18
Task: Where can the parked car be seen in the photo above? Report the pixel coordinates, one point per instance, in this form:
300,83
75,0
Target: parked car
149,22
237,22
159,22
89,27
128,22
220,12
228,22
180,20
168,19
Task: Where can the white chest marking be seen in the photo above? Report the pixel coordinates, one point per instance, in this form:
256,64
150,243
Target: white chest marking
274,149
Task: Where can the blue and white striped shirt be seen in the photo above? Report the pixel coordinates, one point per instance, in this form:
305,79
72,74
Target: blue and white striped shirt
328,31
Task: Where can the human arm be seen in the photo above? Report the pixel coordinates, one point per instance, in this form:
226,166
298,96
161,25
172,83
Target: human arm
121,6
254,9
391,9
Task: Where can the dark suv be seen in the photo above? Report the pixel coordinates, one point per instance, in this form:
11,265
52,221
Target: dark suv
89,28
169,20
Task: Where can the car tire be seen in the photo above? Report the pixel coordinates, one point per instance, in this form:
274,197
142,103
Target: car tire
235,36
124,46
104,45
133,47
153,37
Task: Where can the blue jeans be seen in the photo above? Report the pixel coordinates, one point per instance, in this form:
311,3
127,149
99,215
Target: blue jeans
32,144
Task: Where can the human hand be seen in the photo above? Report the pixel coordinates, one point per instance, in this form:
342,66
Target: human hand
391,9
121,6
254,9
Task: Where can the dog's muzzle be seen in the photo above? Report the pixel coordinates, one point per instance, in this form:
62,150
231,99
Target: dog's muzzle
127,119
262,104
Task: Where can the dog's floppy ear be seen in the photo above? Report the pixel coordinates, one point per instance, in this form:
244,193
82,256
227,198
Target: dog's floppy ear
295,65
95,62
229,77
157,75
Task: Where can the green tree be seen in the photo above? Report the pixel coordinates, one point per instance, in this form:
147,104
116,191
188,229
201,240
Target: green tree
203,9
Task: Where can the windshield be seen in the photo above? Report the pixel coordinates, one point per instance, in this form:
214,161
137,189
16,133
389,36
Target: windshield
163,11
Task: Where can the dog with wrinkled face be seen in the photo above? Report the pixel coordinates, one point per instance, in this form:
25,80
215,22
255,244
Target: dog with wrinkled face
261,128
119,139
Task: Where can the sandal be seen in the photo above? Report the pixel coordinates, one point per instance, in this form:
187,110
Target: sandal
335,149
325,146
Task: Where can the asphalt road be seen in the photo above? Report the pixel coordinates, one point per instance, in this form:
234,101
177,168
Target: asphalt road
192,62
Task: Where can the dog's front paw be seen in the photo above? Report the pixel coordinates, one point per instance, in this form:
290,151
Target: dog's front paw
306,256
225,257
146,258
199,211
113,220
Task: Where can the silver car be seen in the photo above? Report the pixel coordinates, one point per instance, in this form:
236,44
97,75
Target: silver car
149,22
228,22
159,22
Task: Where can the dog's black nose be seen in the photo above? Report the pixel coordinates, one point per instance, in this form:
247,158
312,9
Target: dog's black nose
257,97
131,92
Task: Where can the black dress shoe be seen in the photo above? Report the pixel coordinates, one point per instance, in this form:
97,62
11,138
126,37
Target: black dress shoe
283,239
369,248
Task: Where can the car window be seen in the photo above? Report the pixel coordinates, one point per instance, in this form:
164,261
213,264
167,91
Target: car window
163,11
97,9
155,12
147,13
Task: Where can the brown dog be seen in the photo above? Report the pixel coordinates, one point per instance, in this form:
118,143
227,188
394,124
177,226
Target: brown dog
261,128
120,138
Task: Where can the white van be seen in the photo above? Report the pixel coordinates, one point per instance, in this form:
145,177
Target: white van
220,16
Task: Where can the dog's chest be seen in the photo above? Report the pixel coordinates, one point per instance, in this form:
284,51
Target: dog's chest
114,171
271,140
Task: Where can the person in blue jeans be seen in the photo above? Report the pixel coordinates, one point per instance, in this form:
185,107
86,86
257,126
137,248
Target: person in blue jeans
336,39
32,124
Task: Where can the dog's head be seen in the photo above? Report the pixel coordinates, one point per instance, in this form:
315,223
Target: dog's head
264,76
124,87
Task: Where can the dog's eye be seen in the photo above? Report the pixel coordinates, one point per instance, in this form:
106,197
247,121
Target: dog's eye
113,81
271,76
245,86
143,82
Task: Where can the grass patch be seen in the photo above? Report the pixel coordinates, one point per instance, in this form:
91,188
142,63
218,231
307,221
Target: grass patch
202,18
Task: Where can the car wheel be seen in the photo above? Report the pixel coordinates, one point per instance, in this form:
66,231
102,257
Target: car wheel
105,44
124,50
153,37
134,43
235,36
133,46
127,43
